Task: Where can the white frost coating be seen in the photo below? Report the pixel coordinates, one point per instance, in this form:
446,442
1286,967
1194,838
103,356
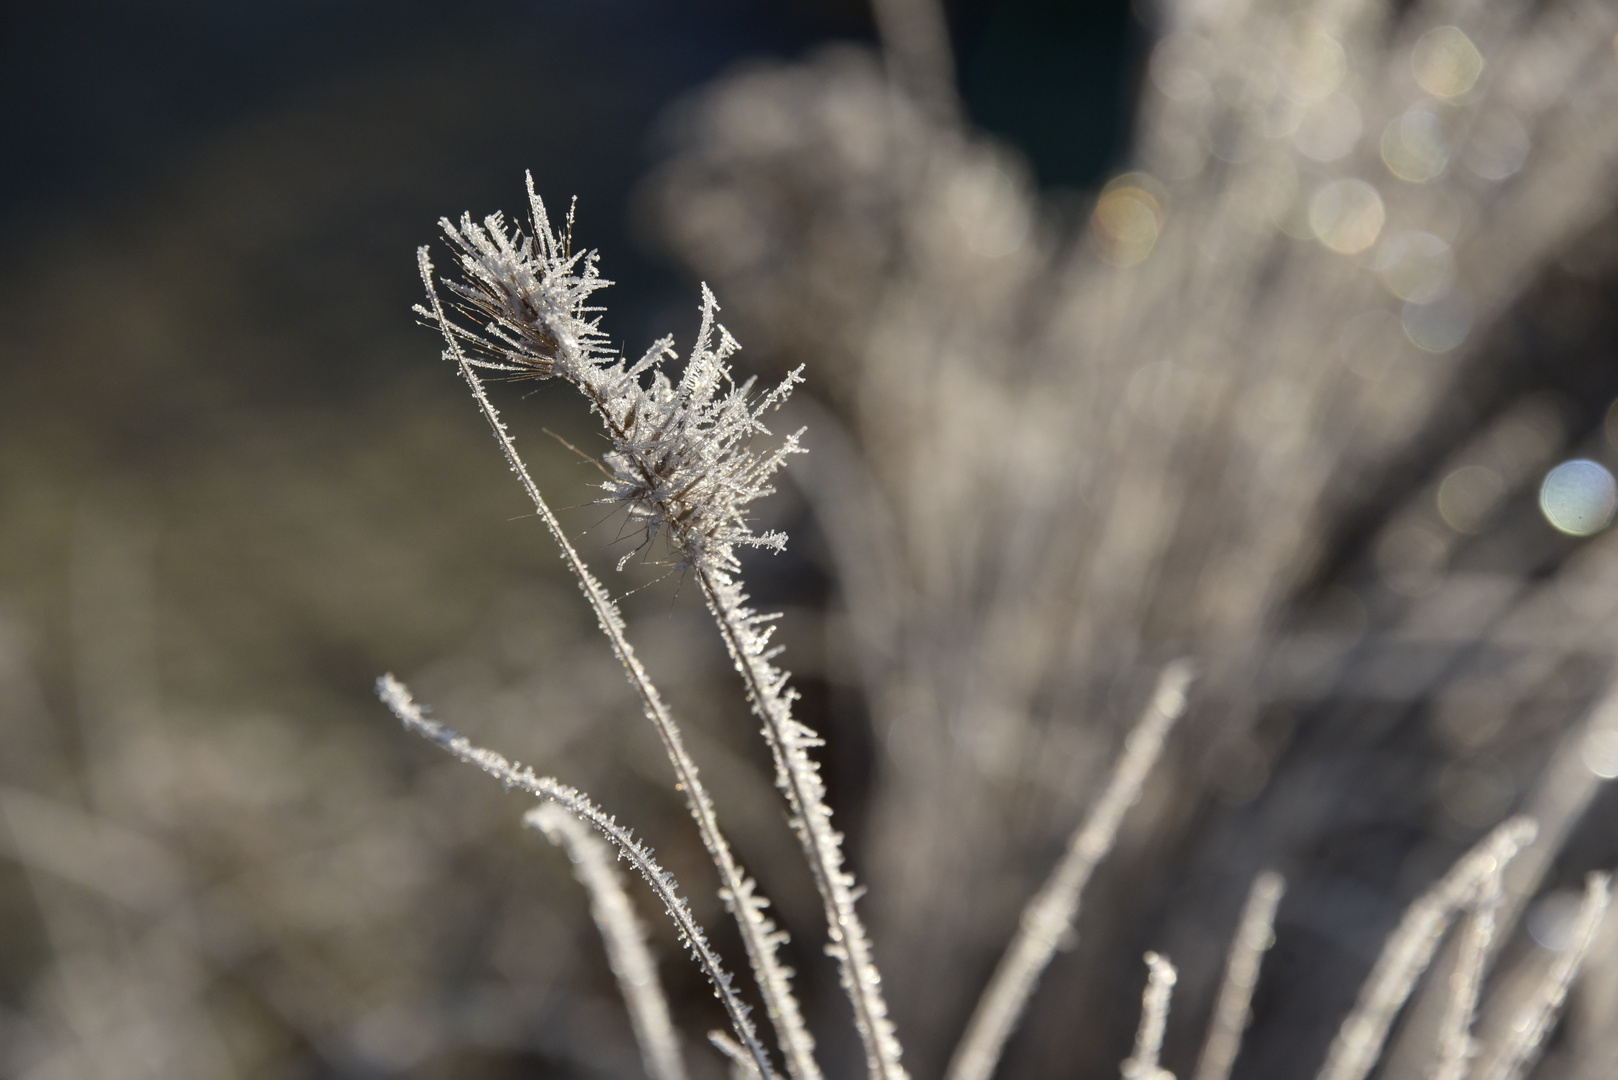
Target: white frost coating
680,458
1049,915
538,327
1254,934
1154,1019
747,636
622,934
397,697
741,1066
1513,1058
681,465
1456,1047
1410,949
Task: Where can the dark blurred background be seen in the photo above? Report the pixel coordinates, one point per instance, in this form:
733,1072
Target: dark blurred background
210,213
236,485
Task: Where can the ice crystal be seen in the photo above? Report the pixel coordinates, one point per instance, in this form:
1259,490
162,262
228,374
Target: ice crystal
681,459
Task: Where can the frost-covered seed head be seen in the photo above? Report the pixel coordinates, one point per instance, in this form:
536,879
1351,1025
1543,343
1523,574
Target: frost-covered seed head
681,460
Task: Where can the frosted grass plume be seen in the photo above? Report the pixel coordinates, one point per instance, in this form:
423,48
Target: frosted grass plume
539,277
681,460
682,464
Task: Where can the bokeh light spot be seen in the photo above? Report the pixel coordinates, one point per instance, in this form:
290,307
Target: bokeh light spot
1127,218
1347,215
1177,67
1439,326
1313,67
1468,496
1445,62
1600,753
1329,130
1415,266
1551,920
1578,497
1413,147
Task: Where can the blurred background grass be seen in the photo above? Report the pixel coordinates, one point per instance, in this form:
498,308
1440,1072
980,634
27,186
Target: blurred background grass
236,484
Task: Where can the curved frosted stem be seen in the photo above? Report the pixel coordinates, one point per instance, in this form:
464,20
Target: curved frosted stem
759,936
622,935
1254,934
1512,1059
398,698
1154,1019
1049,915
1410,949
747,635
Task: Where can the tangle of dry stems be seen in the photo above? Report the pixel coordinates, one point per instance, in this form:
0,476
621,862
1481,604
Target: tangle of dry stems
681,462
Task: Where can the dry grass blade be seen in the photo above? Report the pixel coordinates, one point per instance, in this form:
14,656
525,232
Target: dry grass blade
747,636
1408,952
1456,1046
741,1066
1049,915
1154,1018
622,934
1512,1058
397,697
683,465
1254,935
759,936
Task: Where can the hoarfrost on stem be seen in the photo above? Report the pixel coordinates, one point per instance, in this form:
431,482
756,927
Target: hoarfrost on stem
681,460
682,464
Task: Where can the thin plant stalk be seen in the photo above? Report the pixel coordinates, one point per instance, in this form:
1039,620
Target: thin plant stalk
759,935
1514,1056
681,465
1255,932
1559,799
398,698
742,1067
1456,1047
1410,950
746,636
621,933
1154,1018
1048,918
